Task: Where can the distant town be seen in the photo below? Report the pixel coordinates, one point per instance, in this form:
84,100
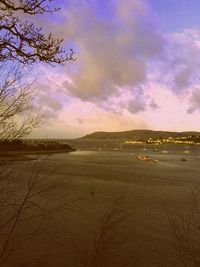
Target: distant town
188,140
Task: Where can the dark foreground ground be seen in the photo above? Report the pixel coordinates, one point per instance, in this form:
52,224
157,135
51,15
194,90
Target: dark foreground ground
112,208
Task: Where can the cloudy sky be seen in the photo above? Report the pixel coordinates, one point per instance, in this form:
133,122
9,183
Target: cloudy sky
137,67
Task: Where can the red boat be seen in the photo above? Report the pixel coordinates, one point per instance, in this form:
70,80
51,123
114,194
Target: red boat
145,158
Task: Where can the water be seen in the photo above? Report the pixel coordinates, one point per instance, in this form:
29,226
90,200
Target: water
148,190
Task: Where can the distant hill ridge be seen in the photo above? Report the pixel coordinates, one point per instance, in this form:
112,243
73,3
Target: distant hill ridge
139,134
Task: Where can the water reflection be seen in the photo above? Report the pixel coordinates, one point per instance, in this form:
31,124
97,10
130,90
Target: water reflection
82,153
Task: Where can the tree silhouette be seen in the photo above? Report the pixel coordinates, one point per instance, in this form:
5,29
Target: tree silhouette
21,40
17,117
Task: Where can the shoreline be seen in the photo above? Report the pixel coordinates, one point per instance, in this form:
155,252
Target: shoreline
29,155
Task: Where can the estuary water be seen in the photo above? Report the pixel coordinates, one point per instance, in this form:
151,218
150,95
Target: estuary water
143,194
148,192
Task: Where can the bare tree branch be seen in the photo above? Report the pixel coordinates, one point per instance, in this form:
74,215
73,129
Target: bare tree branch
17,118
22,41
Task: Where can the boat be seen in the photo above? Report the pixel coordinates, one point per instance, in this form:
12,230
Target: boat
144,147
186,151
145,158
165,151
155,148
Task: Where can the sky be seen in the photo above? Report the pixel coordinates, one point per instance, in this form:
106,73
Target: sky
137,67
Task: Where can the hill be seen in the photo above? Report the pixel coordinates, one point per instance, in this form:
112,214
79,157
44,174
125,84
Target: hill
138,135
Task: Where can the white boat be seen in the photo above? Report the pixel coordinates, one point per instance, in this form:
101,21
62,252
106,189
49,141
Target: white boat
165,151
186,151
144,147
155,148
